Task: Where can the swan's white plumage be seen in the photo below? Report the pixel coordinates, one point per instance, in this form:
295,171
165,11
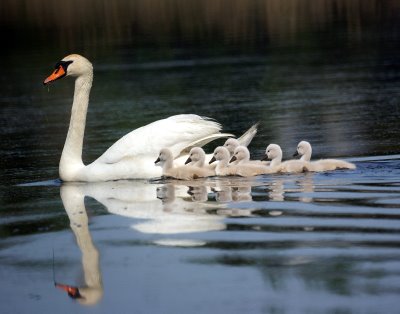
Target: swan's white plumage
176,132
133,155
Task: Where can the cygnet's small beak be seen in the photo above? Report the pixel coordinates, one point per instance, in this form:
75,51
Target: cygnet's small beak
296,154
265,158
157,161
212,160
188,160
233,159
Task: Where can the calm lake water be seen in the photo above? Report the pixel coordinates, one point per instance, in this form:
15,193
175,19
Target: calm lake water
326,71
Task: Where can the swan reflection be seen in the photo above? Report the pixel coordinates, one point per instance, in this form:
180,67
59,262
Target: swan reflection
91,293
167,208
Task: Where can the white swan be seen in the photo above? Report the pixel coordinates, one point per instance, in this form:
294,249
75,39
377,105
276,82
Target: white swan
133,155
274,152
304,150
221,154
241,156
165,160
224,168
247,167
197,157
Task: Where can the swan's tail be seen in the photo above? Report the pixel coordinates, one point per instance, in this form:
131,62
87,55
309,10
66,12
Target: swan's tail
248,136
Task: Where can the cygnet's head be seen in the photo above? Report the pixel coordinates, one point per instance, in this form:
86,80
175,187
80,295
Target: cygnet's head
71,65
231,144
220,153
240,153
303,148
164,156
196,154
273,151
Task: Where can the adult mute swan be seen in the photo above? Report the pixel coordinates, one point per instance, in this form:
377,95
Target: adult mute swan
133,155
304,150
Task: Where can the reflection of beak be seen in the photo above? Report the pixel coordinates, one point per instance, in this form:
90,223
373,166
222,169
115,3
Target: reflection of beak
73,292
212,160
57,74
157,161
232,159
296,154
265,158
188,160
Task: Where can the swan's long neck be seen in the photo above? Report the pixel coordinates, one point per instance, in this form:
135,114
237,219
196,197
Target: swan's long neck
71,158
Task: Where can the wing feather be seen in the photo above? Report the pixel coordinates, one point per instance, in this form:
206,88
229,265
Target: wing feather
176,132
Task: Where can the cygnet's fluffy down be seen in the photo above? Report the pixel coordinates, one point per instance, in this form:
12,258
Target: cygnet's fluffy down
247,167
221,154
197,157
165,160
241,156
231,144
274,152
224,168
305,151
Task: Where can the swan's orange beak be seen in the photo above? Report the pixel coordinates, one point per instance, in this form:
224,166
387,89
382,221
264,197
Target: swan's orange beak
58,73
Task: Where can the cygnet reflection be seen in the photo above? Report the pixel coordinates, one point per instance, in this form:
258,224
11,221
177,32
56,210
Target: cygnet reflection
303,188
306,186
180,214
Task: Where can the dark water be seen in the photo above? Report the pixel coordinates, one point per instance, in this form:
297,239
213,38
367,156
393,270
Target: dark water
325,71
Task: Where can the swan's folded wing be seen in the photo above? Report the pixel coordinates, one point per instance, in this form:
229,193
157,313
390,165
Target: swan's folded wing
203,141
176,133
